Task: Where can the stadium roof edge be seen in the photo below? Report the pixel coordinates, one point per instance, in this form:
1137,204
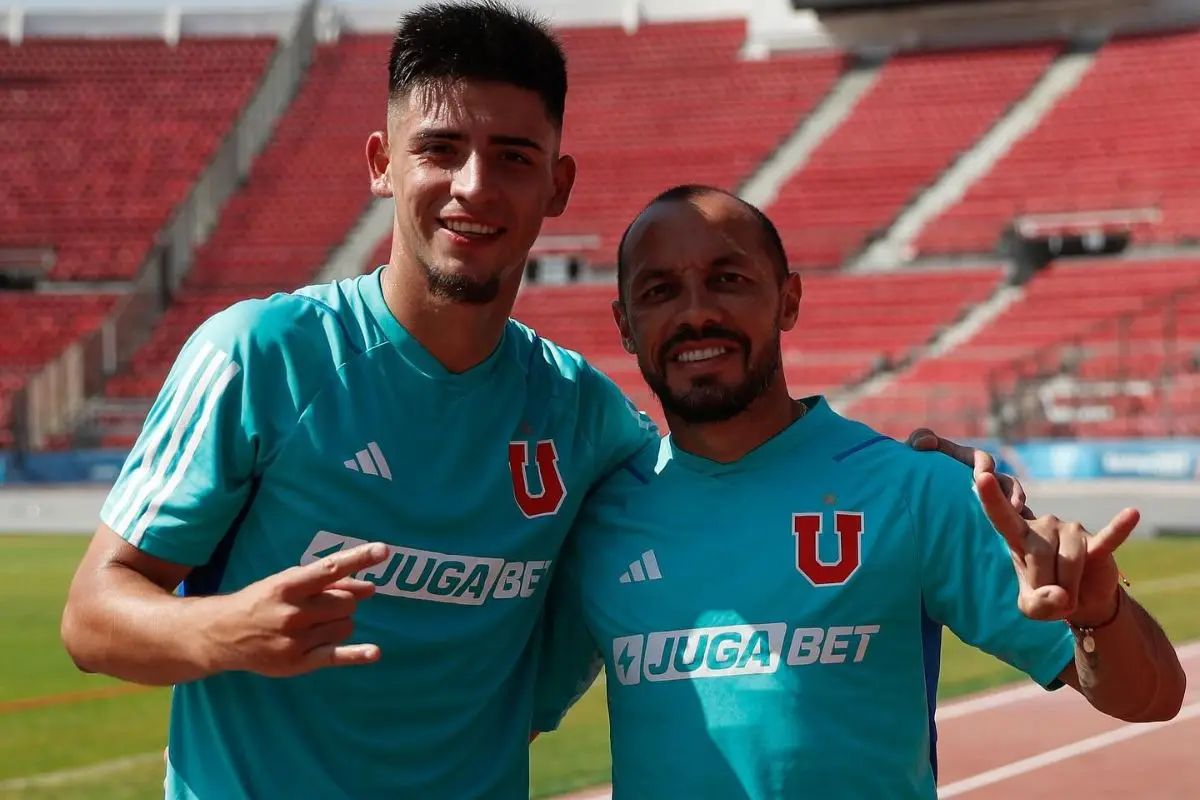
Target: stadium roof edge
169,20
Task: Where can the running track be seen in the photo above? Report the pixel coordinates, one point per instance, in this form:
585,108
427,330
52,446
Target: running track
1030,744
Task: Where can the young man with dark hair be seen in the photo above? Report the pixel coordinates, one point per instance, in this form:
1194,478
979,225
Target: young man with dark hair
394,437
767,589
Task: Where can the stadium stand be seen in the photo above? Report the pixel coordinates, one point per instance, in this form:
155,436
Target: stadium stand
662,103
101,140
125,126
1090,323
1125,138
673,103
302,196
924,110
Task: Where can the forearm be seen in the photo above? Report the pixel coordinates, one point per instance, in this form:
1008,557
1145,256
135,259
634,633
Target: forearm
128,627
1133,673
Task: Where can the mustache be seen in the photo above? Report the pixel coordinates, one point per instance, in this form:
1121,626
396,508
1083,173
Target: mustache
687,333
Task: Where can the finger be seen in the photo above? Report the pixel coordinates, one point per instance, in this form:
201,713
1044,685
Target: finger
315,577
1114,534
1041,553
330,605
960,453
982,461
1017,495
1072,552
1044,603
334,631
1004,518
1018,498
922,439
342,655
353,587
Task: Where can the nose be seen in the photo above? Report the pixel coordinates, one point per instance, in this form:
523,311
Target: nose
472,180
696,305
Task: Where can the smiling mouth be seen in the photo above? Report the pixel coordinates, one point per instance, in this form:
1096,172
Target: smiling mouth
470,230
705,354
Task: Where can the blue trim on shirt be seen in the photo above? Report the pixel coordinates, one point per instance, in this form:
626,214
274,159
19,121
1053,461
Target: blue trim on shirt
627,465
205,580
862,446
931,653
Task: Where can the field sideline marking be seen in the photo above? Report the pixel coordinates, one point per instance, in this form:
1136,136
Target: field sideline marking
67,698
68,776
1003,697
1060,754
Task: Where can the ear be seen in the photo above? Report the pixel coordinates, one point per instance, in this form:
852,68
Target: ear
789,308
619,317
564,180
378,161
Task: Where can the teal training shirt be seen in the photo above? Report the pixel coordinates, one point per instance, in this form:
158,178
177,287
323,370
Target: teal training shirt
295,425
771,628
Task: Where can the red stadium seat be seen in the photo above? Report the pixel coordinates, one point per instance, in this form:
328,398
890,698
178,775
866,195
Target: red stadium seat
104,139
1123,139
925,110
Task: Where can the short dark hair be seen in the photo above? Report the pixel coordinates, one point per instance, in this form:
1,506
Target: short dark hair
691,191
481,40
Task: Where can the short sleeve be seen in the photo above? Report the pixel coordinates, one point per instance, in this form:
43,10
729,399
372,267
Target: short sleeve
568,659
206,438
617,428
969,582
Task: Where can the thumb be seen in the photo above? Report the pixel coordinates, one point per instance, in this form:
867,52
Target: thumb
1114,534
341,655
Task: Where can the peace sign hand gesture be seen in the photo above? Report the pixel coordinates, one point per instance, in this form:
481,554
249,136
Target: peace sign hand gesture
297,620
1064,572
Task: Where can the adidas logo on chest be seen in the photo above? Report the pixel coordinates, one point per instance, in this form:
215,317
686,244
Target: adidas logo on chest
370,461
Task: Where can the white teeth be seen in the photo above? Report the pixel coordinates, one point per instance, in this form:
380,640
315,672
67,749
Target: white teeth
470,227
701,355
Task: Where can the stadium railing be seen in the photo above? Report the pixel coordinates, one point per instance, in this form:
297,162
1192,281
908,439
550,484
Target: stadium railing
1136,375
55,395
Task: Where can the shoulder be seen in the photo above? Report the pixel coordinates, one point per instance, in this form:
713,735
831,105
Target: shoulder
923,479
864,448
636,478
544,356
567,370
298,325
284,345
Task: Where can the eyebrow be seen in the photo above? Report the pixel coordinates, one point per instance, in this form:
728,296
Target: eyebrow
648,275
507,140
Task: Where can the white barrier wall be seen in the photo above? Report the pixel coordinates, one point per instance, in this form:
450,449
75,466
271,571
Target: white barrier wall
58,509
1164,506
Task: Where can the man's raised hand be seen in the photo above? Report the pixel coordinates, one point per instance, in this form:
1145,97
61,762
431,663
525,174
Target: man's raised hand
297,620
1064,573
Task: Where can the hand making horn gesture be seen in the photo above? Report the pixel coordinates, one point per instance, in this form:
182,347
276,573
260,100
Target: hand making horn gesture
1064,572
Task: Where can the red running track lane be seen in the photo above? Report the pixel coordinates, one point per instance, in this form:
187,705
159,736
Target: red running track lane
1054,745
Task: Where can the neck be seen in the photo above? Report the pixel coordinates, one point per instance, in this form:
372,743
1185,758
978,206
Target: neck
459,335
728,441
